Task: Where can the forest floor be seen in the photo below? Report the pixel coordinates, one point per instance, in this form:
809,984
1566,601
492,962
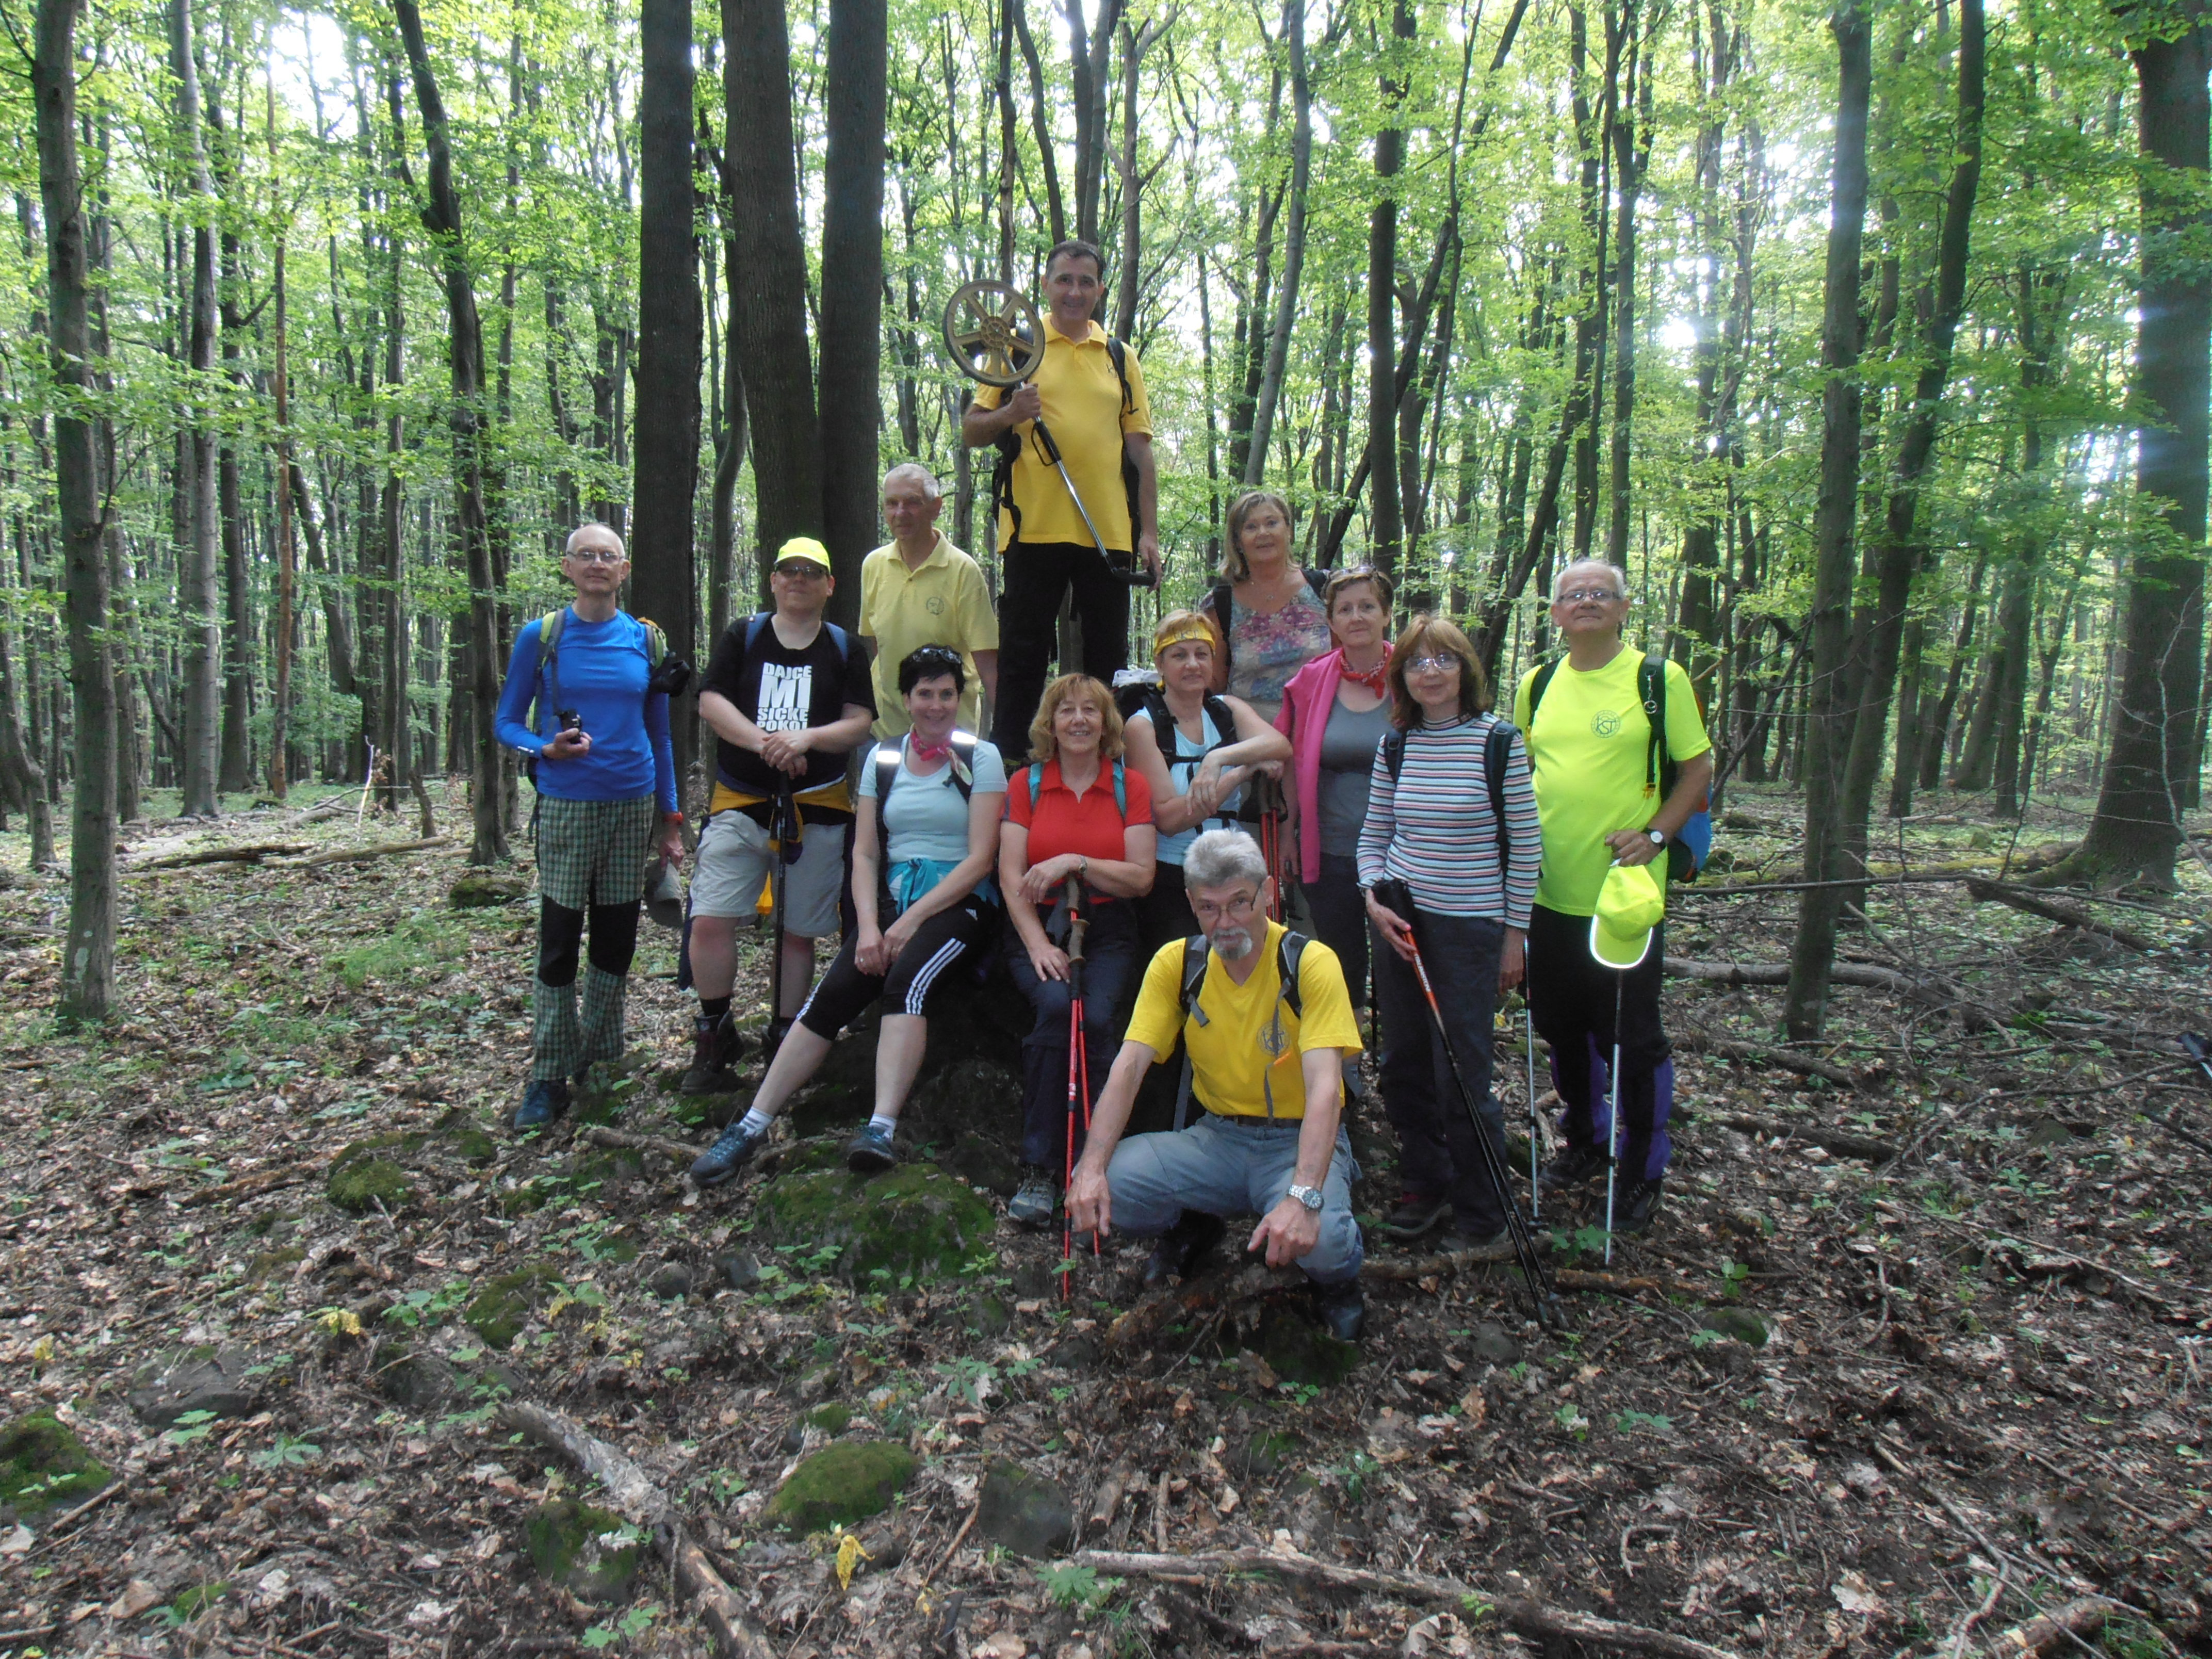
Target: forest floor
1980,1393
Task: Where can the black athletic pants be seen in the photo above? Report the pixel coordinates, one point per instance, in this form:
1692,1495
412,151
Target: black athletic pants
1037,574
1571,995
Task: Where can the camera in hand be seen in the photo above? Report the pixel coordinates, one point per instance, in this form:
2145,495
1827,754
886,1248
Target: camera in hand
571,720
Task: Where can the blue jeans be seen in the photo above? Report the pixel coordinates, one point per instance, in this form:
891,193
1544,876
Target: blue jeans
1437,1154
1234,1166
1110,957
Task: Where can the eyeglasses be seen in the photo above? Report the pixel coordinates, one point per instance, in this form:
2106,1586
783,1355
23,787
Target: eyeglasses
1591,596
1240,905
596,556
934,658
800,567
1432,665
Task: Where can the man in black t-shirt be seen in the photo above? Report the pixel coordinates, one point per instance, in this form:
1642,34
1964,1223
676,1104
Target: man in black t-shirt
788,696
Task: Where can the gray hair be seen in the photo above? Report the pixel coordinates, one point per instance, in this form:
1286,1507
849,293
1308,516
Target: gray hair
1221,856
1620,576
920,474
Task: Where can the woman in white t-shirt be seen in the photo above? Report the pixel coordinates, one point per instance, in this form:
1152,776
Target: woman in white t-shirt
926,834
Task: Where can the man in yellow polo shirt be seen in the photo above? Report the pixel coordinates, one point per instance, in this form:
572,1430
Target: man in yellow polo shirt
1097,416
1597,798
918,589
1266,1064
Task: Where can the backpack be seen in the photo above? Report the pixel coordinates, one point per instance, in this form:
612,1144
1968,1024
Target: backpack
888,755
1009,446
1687,848
755,627
1220,598
1497,756
1290,952
1150,699
548,671
1120,787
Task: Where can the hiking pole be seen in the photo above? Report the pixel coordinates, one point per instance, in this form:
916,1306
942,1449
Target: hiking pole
785,832
1079,1078
1528,1044
1395,896
1613,1118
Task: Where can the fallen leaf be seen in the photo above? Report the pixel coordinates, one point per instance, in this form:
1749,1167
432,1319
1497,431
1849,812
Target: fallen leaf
18,1541
137,1597
1854,1594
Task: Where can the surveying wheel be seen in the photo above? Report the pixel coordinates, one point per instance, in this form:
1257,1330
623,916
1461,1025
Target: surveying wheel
994,333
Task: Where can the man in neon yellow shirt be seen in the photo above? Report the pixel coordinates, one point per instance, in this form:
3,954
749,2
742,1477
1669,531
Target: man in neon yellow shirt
1597,798
1098,416
918,589
1266,1064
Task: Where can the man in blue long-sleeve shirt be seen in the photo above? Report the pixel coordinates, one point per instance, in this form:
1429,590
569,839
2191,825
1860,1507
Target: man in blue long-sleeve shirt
606,789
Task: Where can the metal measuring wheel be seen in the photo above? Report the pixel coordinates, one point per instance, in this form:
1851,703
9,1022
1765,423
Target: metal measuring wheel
994,332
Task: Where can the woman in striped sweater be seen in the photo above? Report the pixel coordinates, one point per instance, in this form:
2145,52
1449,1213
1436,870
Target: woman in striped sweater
1430,825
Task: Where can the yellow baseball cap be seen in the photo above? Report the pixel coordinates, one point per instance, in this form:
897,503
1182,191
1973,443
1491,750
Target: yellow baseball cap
803,547
1629,906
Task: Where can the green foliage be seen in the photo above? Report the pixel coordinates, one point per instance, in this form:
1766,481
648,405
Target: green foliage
1074,1586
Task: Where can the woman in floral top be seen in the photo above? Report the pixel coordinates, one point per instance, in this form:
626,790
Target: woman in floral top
1269,610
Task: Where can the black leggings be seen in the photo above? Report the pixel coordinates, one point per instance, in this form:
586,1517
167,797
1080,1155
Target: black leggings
917,981
560,935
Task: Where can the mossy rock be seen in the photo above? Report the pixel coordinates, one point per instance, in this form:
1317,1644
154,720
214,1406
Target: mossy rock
1266,1455
419,1381
592,1552
971,1095
191,1603
822,1152
1027,1512
361,1186
841,1093
986,1161
1298,1351
607,1087
269,1263
497,1311
1739,1324
914,1224
607,1166
709,1111
468,1138
840,1485
482,889
832,1419
45,1467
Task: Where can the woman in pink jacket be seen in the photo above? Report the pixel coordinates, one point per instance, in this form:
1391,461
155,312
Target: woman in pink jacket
1335,711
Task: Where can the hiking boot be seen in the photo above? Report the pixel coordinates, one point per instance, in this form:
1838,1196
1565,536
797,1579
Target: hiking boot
737,1147
1178,1251
870,1151
1414,1213
1573,1167
1342,1309
1637,1204
1032,1205
1456,1237
543,1100
715,1049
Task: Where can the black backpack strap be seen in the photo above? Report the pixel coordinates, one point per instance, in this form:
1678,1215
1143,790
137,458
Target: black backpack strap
1652,685
1194,958
1290,953
887,758
963,763
1496,756
1394,752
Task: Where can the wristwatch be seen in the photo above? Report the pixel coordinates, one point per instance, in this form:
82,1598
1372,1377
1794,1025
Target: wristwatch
1657,837
1308,1196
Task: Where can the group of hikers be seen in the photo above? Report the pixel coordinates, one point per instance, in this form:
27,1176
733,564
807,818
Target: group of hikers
1105,848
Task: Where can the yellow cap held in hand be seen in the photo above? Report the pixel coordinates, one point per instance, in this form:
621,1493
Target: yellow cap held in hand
1629,906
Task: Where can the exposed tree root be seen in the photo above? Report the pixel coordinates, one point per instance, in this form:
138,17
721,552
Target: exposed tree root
2071,915
252,851
1523,1613
1765,1053
2061,1626
600,1136
1834,1140
361,855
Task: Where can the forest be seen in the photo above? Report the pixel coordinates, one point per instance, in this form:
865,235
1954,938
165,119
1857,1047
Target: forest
1873,339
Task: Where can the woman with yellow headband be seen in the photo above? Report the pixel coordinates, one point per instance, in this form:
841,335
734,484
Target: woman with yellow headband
1197,749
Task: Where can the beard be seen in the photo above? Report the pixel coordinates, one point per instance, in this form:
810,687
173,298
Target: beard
1233,943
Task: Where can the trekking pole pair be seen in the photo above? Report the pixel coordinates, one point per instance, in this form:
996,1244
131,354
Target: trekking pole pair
1396,895
1079,1078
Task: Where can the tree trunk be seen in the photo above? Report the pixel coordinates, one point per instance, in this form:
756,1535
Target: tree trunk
729,457
769,294
87,980
280,768
1386,524
1040,122
851,293
1826,736
441,217
665,451
1937,735
2152,761
1294,248
200,588
1632,148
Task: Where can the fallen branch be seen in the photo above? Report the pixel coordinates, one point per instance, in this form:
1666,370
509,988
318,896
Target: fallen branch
1833,1140
261,1180
361,855
1778,973
250,852
2078,1620
2071,915
1893,875
644,1505
599,1135
1763,1053
1523,1613
1582,1279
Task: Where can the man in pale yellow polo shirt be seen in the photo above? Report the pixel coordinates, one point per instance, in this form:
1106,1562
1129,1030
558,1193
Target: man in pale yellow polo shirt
918,589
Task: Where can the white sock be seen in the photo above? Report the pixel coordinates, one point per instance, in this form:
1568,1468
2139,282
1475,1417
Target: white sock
888,1125
757,1122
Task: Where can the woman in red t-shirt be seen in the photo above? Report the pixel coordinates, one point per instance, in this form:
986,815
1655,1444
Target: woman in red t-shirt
1073,810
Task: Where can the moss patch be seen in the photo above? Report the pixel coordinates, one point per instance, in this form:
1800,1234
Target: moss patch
360,1186
841,1484
499,1310
832,1419
592,1552
1740,1323
604,1091
1299,1350
913,1226
481,890
43,1466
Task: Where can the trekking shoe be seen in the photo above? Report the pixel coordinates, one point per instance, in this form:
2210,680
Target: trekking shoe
1636,1206
1414,1213
737,1147
543,1100
1456,1238
870,1151
1193,1234
1342,1309
1572,1168
1033,1204
715,1050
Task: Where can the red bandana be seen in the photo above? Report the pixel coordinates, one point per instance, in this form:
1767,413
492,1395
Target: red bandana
928,751
1374,679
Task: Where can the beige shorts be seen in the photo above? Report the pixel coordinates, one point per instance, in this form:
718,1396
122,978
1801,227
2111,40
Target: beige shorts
735,859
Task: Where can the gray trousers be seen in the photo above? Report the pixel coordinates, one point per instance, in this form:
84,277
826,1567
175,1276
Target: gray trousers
1234,1166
